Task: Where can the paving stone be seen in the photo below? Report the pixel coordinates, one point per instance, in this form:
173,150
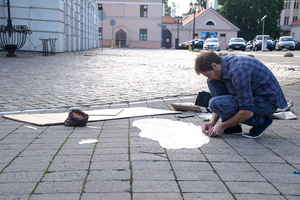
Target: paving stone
208,196
59,187
121,186
105,196
70,196
155,186
121,157
251,188
157,196
202,187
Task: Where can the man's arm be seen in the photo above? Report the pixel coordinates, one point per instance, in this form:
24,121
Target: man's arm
238,118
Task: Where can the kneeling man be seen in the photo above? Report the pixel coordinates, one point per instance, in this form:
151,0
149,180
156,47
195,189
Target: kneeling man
244,91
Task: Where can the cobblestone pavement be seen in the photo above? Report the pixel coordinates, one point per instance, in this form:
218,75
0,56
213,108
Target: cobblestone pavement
33,81
47,162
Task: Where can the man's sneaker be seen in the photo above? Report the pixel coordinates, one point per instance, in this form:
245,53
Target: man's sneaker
257,131
233,130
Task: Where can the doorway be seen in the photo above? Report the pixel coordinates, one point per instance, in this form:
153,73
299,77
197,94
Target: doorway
121,37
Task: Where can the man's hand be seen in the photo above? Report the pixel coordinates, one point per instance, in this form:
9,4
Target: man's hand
211,130
216,131
206,128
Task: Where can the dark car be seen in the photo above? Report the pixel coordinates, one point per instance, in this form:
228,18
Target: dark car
297,45
285,42
185,45
257,43
236,44
199,44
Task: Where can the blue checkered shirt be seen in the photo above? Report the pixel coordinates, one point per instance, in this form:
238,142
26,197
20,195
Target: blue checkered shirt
250,80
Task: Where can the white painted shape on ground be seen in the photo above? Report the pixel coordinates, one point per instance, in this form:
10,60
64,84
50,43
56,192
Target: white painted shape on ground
88,141
172,134
31,127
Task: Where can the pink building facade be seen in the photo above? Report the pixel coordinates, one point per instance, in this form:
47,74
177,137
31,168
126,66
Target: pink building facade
208,23
142,24
131,23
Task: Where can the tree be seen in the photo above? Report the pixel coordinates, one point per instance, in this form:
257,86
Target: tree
167,9
202,3
247,14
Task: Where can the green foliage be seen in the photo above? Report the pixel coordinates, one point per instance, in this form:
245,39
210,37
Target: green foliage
167,9
247,14
202,3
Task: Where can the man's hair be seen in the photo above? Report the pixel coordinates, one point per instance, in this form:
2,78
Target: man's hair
204,60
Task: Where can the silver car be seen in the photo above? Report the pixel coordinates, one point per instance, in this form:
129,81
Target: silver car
211,44
285,42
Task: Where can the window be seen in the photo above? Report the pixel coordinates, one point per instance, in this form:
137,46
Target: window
296,4
294,19
143,34
100,33
210,23
143,11
286,20
287,4
100,7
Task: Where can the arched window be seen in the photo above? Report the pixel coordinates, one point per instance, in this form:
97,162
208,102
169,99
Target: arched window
210,23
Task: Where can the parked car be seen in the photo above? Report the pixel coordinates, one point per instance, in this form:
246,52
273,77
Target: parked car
249,44
211,44
199,44
185,45
297,45
236,44
257,43
285,42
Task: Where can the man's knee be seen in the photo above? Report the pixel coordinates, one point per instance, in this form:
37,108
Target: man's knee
223,104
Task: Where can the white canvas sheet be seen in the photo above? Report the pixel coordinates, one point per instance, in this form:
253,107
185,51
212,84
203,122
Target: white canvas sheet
96,115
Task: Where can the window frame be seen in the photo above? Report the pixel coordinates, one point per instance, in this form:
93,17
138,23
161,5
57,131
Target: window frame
143,10
143,34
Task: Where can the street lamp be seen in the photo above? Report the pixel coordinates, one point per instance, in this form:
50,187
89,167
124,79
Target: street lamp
178,21
263,43
193,9
12,37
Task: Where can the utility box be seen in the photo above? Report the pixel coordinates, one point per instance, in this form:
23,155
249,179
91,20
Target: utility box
264,43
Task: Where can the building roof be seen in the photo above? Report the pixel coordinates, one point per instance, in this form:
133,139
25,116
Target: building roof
168,20
190,17
296,22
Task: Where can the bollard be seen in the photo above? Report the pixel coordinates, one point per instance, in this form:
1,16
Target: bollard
112,44
45,46
189,46
52,45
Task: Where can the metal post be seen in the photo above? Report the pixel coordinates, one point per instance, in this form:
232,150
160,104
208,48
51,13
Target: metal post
193,43
263,43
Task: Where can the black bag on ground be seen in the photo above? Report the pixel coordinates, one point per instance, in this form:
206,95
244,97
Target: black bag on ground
203,99
76,118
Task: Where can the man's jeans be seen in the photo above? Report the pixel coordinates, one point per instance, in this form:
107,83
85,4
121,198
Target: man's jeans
226,107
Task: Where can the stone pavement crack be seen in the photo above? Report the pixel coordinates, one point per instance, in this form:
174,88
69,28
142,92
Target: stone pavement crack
174,173
47,170
130,162
278,155
90,163
255,168
11,132
215,171
22,150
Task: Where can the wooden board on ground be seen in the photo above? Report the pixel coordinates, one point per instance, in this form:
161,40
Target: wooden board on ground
96,115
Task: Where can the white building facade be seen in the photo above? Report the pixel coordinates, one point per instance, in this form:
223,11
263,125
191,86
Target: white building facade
74,23
289,15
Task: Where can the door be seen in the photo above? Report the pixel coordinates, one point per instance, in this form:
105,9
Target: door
167,39
121,37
